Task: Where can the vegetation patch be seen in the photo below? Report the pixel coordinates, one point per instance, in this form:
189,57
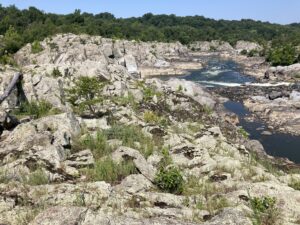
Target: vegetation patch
36,47
109,171
85,95
36,109
264,210
169,180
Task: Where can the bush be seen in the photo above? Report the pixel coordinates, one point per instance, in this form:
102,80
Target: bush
37,109
244,52
110,171
56,73
85,94
265,211
282,56
169,180
36,47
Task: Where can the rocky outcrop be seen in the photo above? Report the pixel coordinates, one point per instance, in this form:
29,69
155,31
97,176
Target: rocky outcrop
247,46
86,169
285,73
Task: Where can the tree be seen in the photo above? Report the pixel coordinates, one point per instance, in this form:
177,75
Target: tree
282,56
85,94
12,40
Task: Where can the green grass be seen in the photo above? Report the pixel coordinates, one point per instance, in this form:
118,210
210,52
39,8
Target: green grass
56,73
38,177
36,47
109,171
36,109
243,132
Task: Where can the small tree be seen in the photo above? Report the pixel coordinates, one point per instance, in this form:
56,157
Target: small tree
12,40
85,94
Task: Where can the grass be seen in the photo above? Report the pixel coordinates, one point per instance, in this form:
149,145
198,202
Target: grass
152,118
129,135
243,132
36,47
295,184
38,177
109,171
266,163
36,109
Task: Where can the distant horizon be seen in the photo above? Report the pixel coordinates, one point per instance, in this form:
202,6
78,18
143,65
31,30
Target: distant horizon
271,11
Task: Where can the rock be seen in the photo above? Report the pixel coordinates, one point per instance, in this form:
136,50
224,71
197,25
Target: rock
230,216
7,122
123,153
130,64
60,215
248,46
275,94
134,184
80,159
255,146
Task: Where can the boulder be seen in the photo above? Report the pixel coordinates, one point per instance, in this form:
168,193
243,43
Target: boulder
123,153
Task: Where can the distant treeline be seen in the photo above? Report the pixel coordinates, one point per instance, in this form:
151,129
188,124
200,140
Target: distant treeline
26,26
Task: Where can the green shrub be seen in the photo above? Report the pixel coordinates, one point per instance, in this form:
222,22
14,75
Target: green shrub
243,132
110,171
85,94
244,52
169,180
7,59
36,47
56,73
264,210
282,56
36,109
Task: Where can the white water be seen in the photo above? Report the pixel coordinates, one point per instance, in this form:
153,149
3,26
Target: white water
227,84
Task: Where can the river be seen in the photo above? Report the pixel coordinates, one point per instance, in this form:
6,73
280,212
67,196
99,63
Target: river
219,73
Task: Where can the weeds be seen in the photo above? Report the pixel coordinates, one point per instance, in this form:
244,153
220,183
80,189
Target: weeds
295,184
109,171
38,177
36,109
36,47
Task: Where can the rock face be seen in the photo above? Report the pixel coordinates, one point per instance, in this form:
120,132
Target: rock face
248,46
280,73
120,165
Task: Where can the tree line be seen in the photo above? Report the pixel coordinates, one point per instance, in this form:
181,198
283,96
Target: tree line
19,27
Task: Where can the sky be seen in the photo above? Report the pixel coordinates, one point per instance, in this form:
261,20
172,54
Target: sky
275,11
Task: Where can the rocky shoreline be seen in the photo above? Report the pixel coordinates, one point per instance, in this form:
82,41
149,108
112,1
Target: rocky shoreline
110,160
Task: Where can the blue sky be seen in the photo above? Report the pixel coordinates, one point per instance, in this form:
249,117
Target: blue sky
277,11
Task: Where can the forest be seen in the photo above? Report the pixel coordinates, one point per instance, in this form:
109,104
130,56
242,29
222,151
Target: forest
19,27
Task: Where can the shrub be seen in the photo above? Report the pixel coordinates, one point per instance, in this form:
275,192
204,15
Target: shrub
85,94
37,109
243,132
36,47
110,171
244,52
56,73
169,180
151,117
282,56
264,210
